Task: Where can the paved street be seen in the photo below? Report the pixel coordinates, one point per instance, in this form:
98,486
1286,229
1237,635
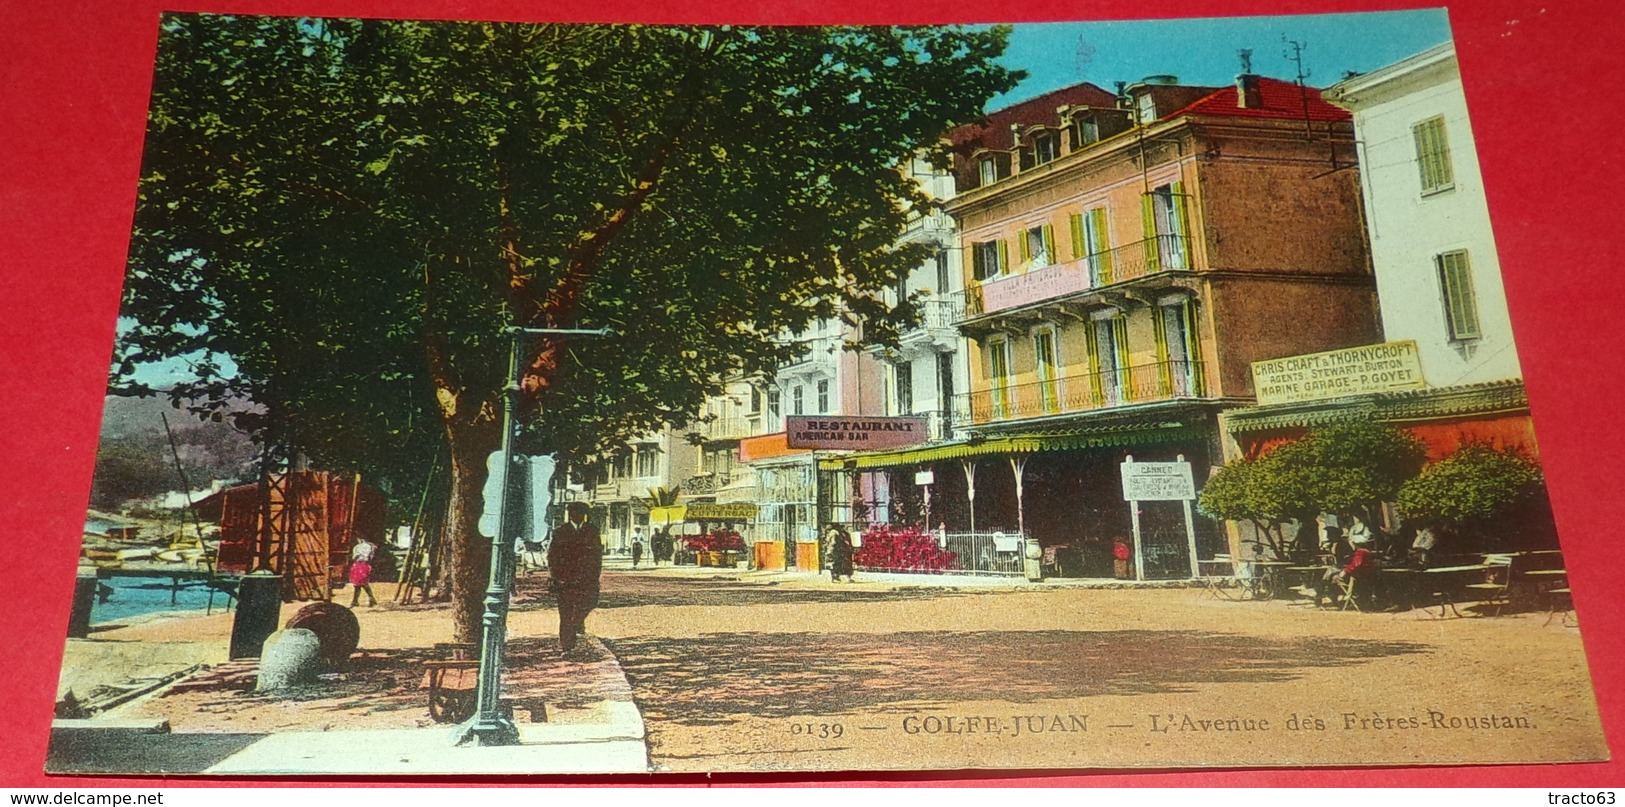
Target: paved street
803,673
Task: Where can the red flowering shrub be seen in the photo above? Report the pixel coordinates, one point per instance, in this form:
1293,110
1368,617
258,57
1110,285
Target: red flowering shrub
903,549
716,541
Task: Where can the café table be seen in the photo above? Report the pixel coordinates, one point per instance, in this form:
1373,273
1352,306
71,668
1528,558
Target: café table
1265,581
1445,581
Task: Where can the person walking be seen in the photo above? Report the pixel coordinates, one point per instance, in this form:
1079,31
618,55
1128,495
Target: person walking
575,560
840,553
637,551
361,556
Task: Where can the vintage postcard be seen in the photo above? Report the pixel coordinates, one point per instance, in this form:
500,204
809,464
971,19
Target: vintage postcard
524,398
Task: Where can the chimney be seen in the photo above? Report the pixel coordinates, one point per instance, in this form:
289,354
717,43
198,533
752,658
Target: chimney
1248,94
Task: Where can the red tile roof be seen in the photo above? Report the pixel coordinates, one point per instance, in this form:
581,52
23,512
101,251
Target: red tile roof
1282,100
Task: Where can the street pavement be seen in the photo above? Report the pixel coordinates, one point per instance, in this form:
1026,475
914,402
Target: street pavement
706,670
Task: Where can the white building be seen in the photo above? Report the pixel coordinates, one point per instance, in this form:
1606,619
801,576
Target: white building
1438,277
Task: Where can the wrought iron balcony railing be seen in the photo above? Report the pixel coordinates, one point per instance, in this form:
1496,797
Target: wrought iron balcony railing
1157,381
1117,265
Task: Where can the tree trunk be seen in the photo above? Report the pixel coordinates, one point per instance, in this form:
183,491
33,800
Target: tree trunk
468,552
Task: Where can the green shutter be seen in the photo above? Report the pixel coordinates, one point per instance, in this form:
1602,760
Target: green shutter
1092,344
1120,336
1022,248
1159,329
1148,221
1079,247
1097,218
1182,229
1049,244
1004,257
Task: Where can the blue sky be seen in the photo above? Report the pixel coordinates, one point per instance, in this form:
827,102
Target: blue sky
1198,51
1203,51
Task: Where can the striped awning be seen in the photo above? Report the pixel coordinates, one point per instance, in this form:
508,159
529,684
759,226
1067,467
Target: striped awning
1104,436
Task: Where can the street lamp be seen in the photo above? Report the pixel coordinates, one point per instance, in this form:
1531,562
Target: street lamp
492,725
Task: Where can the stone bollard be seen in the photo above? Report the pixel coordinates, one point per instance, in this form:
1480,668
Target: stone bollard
1032,560
259,604
289,658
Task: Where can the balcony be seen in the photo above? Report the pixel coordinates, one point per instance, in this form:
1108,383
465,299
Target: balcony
1084,392
1118,265
726,428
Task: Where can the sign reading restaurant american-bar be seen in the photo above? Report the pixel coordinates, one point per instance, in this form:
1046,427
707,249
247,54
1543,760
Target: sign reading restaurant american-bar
1351,371
853,433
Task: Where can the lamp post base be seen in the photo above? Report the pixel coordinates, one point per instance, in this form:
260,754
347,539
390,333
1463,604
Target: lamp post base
498,731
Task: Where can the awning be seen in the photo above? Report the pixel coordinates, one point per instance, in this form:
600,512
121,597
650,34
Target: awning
1104,436
1409,406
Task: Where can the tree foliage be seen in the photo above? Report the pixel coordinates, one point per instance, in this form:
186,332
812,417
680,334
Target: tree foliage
1339,468
1470,489
337,217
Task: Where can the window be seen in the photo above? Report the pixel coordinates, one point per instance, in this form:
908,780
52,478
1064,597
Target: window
823,396
755,400
773,405
988,259
1108,356
1046,148
648,461
992,167
1035,243
1460,304
1164,214
905,388
1085,130
998,369
1180,371
1433,155
1049,399
943,281
798,400
1089,240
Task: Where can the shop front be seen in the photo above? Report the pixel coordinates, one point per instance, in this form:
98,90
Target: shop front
1062,490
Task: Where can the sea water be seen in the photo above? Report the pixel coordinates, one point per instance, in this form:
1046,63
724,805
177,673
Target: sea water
138,596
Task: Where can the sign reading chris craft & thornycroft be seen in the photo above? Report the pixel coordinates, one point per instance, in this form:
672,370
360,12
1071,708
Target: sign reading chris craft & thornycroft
1351,371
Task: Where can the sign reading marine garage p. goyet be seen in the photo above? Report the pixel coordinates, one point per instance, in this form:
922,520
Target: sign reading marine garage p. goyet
853,433
1386,367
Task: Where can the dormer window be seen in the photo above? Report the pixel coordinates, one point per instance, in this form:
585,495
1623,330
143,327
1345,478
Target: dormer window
1046,148
988,170
1085,130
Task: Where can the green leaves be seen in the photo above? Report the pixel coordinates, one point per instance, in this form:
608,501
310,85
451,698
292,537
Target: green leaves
1471,488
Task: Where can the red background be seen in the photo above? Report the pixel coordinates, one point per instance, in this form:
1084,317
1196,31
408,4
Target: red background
73,95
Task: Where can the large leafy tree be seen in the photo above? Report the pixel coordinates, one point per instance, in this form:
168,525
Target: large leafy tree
1344,467
349,211
1474,493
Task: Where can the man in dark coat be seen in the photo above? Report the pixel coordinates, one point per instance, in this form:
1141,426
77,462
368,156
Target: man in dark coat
574,561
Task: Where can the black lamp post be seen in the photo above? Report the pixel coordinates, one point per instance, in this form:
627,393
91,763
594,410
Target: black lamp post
493,725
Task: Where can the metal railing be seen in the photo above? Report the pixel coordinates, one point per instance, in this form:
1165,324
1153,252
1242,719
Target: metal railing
1116,265
1157,381
987,552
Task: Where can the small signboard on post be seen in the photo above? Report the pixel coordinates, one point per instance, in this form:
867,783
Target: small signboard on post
1159,482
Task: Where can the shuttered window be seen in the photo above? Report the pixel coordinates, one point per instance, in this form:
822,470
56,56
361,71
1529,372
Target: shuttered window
1433,155
1460,303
